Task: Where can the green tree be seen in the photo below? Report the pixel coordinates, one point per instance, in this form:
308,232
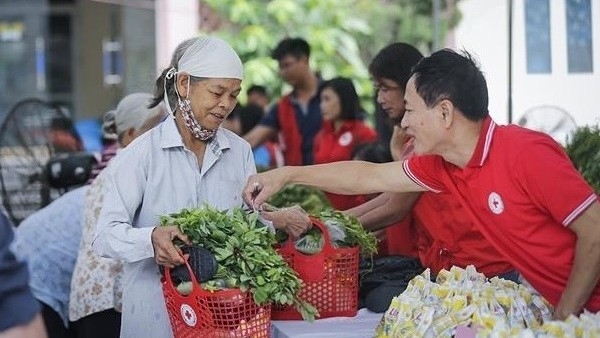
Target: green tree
583,148
409,21
334,28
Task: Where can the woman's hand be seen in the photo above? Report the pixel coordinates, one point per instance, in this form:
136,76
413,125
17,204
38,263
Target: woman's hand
165,252
293,220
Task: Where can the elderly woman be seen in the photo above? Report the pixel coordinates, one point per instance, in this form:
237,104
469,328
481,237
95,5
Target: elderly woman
185,162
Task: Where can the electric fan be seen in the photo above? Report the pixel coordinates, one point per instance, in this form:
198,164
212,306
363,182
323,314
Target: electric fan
551,120
33,146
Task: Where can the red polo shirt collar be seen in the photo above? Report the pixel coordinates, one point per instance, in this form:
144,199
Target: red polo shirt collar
483,144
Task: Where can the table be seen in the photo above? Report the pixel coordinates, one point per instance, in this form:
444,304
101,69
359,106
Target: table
361,326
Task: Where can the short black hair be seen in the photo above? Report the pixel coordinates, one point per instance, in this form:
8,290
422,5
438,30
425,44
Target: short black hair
262,90
249,117
395,62
448,75
296,47
345,90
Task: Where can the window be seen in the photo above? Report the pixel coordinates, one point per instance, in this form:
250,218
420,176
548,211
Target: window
59,74
579,36
537,36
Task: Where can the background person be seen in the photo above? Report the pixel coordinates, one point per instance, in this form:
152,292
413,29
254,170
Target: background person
258,96
20,315
63,136
296,116
96,284
48,241
342,130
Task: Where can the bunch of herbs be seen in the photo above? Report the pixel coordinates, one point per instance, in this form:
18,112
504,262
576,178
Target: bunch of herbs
245,253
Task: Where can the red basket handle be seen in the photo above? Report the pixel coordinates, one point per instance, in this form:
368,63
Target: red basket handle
310,268
193,279
328,249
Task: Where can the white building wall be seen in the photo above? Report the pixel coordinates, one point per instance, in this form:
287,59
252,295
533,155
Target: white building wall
176,21
483,31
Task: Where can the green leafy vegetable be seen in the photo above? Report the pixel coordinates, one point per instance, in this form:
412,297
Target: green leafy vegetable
312,200
355,233
244,251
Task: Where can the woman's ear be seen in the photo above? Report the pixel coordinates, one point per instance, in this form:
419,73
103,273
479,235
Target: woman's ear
182,84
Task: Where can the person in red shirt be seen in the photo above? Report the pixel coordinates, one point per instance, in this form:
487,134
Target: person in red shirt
518,185
342,130
437,225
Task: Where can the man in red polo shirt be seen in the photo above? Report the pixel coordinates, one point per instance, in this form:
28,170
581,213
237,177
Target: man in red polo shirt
519,186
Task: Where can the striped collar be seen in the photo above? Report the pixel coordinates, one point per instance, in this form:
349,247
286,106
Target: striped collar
484,143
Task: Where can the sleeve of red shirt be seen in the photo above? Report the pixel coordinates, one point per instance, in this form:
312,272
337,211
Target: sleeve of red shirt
548,176
426,171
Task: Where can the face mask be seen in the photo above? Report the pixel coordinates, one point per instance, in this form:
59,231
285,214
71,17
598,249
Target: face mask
192,124
185,108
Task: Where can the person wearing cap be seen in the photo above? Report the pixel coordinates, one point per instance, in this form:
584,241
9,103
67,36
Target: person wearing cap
96,289
187,161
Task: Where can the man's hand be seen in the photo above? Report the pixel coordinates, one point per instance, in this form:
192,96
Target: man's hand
293,220
165,252
262,186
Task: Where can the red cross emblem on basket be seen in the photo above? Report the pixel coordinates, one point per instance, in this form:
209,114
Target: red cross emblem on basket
188,315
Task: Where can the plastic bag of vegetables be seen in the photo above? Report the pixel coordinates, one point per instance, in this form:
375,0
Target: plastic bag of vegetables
344,231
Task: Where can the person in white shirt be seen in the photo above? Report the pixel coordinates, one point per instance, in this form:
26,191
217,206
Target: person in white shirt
96,289
185,162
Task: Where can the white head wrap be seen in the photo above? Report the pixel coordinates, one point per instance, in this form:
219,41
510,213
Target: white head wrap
207,57
211,57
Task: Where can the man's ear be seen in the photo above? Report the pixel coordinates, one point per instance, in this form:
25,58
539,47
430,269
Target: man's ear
447,109
303,58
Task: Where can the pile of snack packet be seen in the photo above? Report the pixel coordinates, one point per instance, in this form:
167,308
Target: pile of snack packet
492,307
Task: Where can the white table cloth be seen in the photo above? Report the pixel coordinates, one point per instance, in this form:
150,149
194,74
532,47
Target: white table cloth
361,326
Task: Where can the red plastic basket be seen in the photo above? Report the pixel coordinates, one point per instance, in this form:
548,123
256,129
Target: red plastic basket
330,278
225,313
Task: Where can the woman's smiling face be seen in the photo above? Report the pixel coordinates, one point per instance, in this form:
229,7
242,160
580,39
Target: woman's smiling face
213,99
